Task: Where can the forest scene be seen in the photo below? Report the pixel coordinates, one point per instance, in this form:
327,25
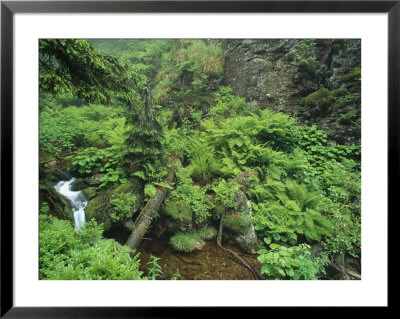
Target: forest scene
199,159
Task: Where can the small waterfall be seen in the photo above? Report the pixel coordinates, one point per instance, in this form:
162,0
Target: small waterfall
77,200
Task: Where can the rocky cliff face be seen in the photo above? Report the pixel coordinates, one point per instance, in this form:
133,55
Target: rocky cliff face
318,81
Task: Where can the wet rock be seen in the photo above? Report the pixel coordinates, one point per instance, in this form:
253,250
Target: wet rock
240,223
244,179
52,203
176,217
100,208
90,192
95,180
79,184
246,237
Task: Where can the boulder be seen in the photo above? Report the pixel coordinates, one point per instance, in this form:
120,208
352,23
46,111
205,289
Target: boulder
95,180
242,226
56,204
276,74
99,208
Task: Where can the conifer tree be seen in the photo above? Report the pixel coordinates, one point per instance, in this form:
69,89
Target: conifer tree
144,143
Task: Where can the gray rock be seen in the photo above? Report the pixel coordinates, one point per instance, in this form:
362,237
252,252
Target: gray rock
265,73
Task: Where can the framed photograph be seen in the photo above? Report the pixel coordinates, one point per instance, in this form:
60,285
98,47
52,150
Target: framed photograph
159,155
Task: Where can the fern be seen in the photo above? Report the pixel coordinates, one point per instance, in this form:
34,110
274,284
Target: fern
288,209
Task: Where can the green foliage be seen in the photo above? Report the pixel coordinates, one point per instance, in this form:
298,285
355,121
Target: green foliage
304,49
186,195
185,242
144,142
177,275
203,164
112,178
188,241
288,210
354,76
141,55
323,101
226,104
200,61
122,206
207,233
178,211
76,67
44,207
349,117
238,223
65,254
86,160
247,142
150,190
346,234
225,194
313,142
66,129
304,56
320,100
57,133
293,262
155,271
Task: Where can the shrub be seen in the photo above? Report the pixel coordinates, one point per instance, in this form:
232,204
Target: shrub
66,254
293,262
189,195
122,206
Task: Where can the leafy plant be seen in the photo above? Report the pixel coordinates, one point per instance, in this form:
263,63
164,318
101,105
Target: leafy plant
65,254
112,178
150,190
288,210
294,262
122,206
155,271
177,275
190,196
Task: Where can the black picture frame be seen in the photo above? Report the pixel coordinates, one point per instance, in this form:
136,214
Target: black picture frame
9,8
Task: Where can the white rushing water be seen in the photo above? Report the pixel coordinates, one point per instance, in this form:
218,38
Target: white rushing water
76,199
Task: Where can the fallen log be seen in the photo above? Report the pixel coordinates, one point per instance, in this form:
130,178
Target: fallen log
345,271
145,217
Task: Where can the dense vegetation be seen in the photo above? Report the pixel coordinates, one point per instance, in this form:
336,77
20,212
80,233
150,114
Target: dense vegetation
118,111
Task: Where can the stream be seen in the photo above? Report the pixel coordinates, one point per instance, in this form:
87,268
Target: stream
76,199
209,263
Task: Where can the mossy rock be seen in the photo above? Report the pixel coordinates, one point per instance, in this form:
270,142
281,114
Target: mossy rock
100,208
79,184
320,100
95,180
349,117
237,223
45,158
57,205
354,76
245,178
90,192
178,211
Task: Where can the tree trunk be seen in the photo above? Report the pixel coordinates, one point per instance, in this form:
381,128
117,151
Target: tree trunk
145,217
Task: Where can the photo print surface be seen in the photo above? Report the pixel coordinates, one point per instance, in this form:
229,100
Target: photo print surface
200,159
